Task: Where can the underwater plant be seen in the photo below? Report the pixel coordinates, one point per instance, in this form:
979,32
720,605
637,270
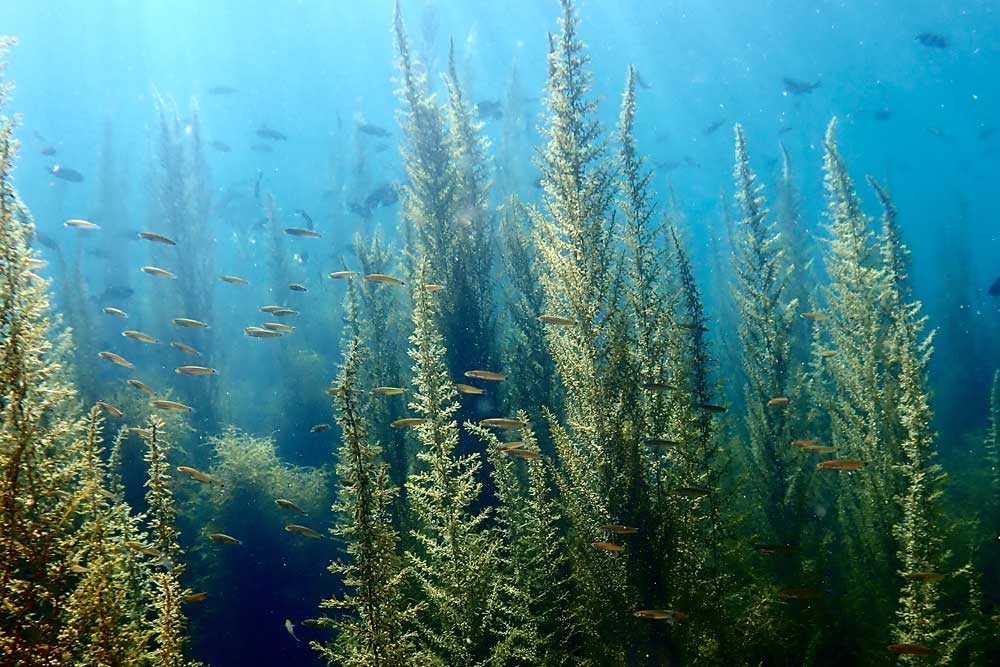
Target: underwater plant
851,355
249,467
429,210
574,242
795,238
453,560
107,611
992,446
371,315
621,489
377,632
470,291
40,456
699,572
523,298
920,547
169,625
181,199
765,330
880,414
528,604
445,210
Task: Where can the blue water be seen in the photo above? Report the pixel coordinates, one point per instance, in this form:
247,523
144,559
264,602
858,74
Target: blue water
86,71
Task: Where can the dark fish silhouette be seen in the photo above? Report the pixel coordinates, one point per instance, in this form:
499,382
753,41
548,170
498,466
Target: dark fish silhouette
221,90
986,133
48,151
66,174
786,130
796,87
360,210
384,195
640,81
373,130
883,114
489,109
933,40
995,288
46,240
265,132
117,292
220,146
305,216
713,127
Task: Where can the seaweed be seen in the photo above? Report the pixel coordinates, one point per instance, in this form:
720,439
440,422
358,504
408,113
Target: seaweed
371,314
767,316
40,457
169,625
533,586
376,633
106,613
653,428
524,344
181,203
453,562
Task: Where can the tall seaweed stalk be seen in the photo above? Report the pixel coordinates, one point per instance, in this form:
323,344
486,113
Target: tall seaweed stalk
574,237
880,413
106,614
445,211
993,453
40,462
524,344
371,313
453,560
170,623
375,633
765,332
857,333
181,206
528,607
920,545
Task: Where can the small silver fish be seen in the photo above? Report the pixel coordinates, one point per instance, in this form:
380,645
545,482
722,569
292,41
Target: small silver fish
290,628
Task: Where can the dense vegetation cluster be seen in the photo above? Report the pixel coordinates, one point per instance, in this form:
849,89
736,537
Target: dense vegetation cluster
556,467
